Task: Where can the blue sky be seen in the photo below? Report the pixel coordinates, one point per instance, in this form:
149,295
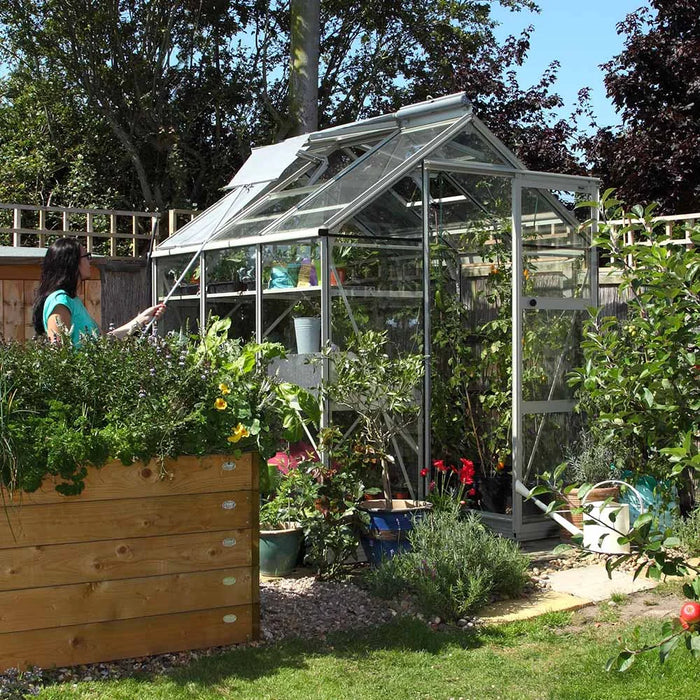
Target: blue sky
581,36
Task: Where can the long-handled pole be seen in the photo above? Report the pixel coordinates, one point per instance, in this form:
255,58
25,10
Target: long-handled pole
182,276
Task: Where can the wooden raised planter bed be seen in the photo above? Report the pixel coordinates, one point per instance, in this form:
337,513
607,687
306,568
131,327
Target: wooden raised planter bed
134,565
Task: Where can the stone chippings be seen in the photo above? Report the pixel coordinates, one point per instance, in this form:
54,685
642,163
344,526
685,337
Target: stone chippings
289,607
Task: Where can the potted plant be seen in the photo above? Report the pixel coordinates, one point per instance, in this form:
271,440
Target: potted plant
307,325
281,517
382,390
588,462
225,274
190,285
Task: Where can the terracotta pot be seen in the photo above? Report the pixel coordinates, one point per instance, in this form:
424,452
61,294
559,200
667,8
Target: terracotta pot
599,494
341,276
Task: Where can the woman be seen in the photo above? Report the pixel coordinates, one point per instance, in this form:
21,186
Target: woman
57,309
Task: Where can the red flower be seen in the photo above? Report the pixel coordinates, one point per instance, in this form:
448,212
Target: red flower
471,492
424,472
465,477
431,486
439,464
466,473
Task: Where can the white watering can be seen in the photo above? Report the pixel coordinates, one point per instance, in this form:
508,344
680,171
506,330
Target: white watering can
600,533
605,523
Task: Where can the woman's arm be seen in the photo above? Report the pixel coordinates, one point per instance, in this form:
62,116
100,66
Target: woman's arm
58,323
139,321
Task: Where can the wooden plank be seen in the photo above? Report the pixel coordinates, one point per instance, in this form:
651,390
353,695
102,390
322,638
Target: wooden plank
102,601
106,641
141,517
13,309
62,564
186,474
23,271
30,287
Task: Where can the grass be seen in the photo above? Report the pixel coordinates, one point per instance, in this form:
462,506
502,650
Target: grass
543,659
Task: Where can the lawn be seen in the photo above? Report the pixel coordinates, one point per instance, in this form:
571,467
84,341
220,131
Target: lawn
554,657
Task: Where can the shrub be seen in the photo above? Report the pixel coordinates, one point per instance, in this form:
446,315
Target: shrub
62,408
688,532
455,566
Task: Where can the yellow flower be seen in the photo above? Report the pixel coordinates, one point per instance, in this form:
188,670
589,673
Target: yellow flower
220,404
526,274
239,432
223,388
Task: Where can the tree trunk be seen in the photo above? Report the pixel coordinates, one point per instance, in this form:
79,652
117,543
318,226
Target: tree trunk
303,69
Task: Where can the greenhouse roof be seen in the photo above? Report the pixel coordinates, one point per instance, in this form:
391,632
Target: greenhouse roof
355,178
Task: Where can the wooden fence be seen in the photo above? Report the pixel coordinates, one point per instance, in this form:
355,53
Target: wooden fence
109,232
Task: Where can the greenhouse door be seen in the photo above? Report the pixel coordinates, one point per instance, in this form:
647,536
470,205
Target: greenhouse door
554,283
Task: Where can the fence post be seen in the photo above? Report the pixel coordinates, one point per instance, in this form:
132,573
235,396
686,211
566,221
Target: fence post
172,221
17,225
113,237
134,233
42,228
89,228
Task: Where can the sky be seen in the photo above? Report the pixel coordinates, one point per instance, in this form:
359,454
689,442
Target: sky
581,36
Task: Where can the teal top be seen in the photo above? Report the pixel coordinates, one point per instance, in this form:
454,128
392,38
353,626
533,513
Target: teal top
81,321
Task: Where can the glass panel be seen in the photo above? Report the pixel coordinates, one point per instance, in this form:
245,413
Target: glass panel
551,348
556,259
469,145
470,205
168,271
396,213
545,440
230,270
269,209
377,288
202,227
291,292
183,306
471,417
363,175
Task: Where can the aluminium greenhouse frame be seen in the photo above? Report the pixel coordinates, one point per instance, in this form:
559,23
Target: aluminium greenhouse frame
266,210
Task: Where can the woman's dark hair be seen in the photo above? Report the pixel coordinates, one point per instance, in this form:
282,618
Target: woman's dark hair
58,271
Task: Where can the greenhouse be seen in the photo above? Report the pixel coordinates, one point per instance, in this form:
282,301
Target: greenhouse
369,226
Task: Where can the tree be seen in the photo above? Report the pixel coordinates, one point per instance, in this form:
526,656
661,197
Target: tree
158,74
655,85
183,90
303,70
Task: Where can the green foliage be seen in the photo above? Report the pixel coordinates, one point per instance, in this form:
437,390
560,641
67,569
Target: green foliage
688,531
471,363
455,566
200,92
639,385
62,409
589,461
381,387
324,500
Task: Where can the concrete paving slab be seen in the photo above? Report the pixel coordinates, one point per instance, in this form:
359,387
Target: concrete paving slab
537,604
592,582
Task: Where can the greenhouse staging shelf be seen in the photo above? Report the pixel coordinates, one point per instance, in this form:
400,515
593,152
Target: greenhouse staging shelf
143,561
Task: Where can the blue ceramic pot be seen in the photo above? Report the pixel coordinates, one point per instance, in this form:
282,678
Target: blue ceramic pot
389,528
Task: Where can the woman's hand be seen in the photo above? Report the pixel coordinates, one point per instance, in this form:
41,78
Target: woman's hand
152,312
137,323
